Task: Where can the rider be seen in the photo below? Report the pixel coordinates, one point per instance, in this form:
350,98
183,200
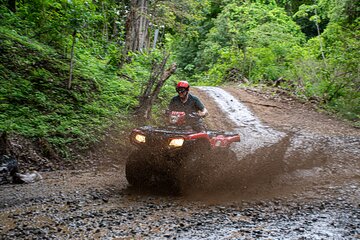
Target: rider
188,103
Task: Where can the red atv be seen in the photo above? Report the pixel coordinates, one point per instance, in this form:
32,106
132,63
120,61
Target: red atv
176,153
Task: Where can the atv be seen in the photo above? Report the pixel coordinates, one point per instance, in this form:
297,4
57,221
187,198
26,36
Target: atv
176,153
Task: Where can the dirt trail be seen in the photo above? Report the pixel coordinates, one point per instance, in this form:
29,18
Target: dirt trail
279,111
315,150
303,186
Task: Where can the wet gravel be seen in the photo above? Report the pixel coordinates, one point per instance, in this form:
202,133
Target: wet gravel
119,212
311,190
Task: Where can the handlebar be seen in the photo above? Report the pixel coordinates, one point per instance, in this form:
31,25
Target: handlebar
194,115
167,112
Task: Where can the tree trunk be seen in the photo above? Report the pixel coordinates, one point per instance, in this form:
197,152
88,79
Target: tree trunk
105,26
144,110
115,29
142,24
137,27
156,34
4,144
165,76
72,59
12,5
156,70
319,36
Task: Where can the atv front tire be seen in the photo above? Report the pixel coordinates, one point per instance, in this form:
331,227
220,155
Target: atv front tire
138,170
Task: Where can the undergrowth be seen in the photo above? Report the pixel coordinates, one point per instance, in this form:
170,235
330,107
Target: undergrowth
35,101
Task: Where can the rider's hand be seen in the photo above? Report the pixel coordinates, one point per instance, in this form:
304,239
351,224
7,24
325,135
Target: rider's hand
203,113
194,115
166,112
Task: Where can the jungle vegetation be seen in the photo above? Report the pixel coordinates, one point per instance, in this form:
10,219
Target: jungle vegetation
71,69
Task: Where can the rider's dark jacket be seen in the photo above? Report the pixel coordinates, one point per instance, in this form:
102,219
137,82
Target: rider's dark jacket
193,104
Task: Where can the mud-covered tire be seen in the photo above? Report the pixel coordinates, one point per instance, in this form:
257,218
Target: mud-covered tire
138,170
193,172
204,172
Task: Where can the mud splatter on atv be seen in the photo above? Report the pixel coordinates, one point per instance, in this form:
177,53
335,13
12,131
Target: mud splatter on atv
176,155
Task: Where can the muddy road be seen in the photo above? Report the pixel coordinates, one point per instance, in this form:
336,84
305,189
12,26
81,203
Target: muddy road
297,177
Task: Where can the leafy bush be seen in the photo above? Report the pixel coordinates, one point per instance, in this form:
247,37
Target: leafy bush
36,103
250,37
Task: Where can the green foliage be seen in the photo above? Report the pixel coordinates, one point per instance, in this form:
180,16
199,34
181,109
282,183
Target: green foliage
316,57
334,82
53,22
250,38
315,53
347,106
327,67
36,103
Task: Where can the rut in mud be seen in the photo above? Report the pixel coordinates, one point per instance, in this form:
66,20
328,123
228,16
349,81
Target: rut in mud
296,177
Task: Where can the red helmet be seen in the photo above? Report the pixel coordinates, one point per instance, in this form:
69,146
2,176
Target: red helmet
183,84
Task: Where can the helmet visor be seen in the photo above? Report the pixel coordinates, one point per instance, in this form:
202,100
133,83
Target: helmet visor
181,90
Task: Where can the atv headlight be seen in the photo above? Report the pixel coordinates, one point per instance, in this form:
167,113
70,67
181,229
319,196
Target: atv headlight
176,142
140,138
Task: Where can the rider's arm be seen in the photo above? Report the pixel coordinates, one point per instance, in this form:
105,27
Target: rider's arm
203,113
201,110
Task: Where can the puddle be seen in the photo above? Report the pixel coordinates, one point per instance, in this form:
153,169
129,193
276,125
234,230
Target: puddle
264,152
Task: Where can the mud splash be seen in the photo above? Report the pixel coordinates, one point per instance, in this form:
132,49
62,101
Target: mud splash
319,176
269,159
